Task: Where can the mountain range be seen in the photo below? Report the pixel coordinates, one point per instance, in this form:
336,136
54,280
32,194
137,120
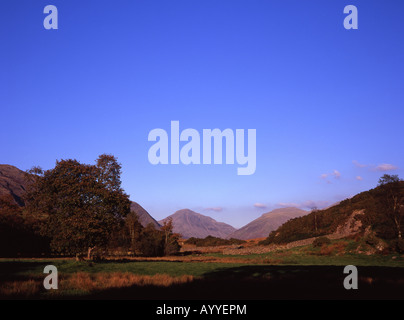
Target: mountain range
186,222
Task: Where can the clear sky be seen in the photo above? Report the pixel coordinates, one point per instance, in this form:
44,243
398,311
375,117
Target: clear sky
327,103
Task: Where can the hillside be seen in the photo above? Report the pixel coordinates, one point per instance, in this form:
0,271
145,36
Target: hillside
144,217
191,224
12,182
268,222
367,211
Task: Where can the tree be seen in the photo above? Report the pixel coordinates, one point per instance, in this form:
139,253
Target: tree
171,245
134,230
80,205
314,211
393,200
110,171
151,242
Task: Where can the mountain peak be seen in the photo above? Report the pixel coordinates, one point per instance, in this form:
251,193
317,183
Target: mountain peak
189,224
269,221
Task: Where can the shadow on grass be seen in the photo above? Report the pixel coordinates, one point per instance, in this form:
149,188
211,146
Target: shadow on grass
255,282
273,282
12,269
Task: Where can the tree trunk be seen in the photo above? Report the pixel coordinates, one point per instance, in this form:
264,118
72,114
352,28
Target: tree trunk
89,252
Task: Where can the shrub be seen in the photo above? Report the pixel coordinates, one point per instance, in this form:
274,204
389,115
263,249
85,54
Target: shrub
371,240
321,241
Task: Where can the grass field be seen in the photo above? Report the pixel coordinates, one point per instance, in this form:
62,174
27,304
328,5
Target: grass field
299,273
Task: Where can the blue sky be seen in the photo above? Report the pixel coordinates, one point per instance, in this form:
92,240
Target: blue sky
327,103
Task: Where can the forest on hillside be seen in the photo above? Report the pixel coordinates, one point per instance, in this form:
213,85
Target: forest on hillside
383,214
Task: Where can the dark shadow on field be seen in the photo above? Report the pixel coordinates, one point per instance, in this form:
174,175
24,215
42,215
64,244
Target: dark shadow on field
12,269
273,282
250,282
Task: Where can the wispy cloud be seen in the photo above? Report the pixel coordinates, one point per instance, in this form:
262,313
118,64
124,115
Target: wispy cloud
288,204
359,178
380,167
309,204
260,205
359,165
336,174
216,209
385,167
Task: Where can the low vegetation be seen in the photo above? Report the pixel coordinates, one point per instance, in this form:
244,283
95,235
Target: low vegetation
213,241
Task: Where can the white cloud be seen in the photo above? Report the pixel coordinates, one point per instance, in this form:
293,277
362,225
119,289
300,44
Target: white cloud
385,167
380,167
260,205
336,174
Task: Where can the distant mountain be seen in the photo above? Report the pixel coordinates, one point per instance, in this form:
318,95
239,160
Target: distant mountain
191,224
12,181
144,217
268,222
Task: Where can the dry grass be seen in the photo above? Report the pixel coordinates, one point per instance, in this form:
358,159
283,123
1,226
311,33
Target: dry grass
90,283
25,288
101,281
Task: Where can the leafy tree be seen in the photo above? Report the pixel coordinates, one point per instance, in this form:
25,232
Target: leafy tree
151,242
134,230
79,205
110,172
171,245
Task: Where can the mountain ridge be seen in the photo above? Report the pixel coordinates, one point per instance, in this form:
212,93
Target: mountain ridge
266,223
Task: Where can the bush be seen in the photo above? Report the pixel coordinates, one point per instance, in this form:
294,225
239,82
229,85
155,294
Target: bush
371,240
321,241
210,241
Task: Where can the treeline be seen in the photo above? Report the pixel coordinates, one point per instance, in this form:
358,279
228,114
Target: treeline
136,240
211,241
384,214
78,209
